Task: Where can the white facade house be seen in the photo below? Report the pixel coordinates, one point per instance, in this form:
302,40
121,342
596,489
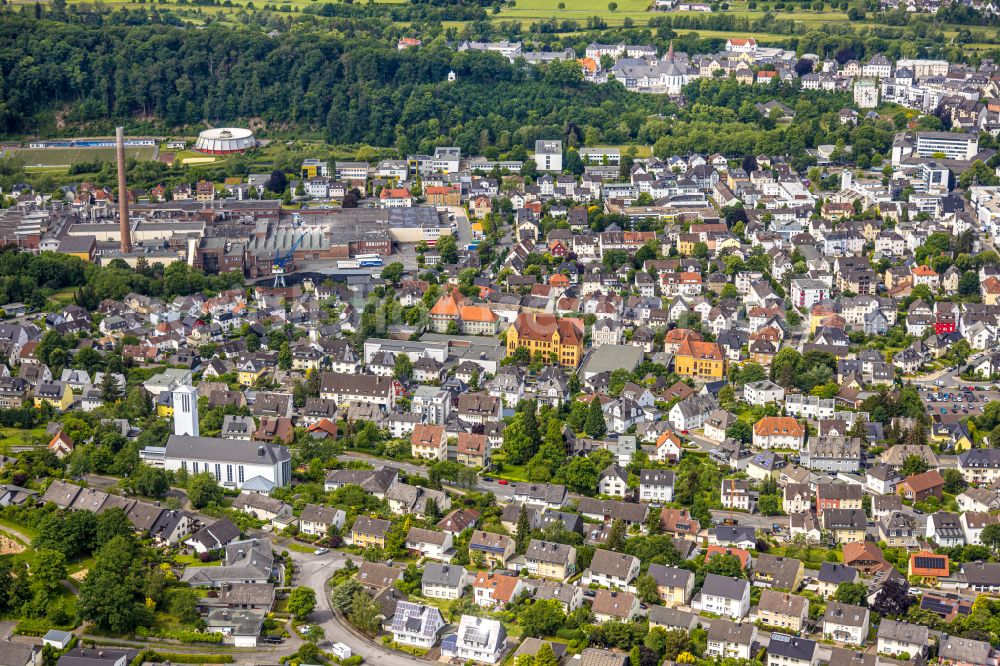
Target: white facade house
810,406
807,292
613,570
724,596
763,392
846,623
480,640
613,481
656,485
416,624
233,463
897,638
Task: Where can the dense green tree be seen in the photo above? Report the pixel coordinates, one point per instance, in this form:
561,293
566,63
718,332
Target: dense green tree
913,464
542,618
108,596
580,475
724,565
595,425
855,594
301,602
646,588
203,489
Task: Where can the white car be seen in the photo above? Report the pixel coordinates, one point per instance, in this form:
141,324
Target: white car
321,551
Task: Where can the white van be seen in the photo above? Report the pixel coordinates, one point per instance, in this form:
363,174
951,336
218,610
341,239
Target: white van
341,651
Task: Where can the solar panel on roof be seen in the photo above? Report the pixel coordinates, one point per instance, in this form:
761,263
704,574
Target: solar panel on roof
935,606
474,635
929,562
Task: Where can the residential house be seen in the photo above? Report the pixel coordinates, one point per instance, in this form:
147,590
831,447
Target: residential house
674,585
782,610
729,597
443,581
919,487
369,532
785,650
480,640
547,559
416,624
614,606
728,640
612,569
846,623
902,639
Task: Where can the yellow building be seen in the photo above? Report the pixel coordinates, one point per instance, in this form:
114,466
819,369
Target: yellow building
686,243
248,372
550,560
165,404
818,313
951,435
81,247
701,360
59,395
677,592
369,532
548,335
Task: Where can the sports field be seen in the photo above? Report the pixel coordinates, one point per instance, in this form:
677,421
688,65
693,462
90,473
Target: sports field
66,157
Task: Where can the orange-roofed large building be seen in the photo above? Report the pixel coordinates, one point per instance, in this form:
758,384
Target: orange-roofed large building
471,319
675,336
443,195
778,432
395,197
701,360
557,339
926,275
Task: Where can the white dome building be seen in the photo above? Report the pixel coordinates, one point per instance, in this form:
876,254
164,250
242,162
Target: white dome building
225,140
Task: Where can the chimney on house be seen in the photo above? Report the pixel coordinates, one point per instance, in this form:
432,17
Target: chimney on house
123,220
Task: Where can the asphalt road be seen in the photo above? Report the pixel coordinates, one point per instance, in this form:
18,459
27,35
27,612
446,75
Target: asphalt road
754,520
314,571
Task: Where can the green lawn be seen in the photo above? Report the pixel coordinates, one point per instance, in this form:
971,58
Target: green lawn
514,472
299,547
193,561
20,437
29,532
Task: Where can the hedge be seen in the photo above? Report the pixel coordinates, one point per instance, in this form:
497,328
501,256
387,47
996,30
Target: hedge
182,635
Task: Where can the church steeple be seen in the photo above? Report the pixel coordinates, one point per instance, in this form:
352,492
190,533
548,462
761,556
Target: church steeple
670,51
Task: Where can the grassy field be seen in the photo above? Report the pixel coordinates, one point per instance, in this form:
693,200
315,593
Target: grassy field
514,472
535,10
66,157
19,437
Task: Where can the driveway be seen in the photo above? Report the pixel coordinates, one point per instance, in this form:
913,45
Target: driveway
464,227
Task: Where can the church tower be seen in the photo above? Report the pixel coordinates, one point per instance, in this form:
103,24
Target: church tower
185,410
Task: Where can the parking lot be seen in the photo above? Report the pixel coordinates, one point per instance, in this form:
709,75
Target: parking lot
960,402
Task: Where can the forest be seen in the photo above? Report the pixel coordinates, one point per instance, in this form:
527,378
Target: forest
356,91
353,90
